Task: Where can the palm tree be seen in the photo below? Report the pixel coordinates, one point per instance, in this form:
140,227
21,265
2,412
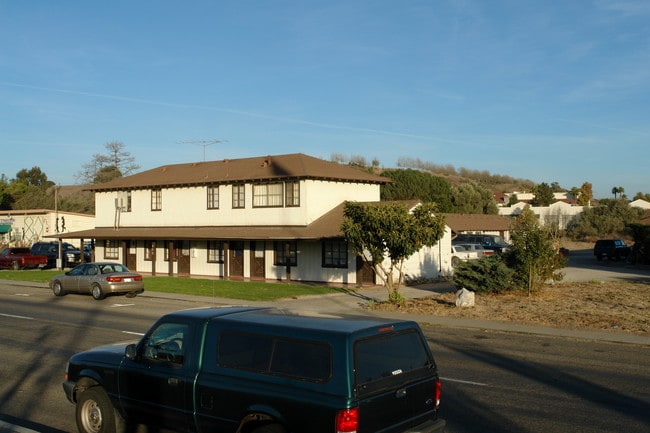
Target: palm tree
615,191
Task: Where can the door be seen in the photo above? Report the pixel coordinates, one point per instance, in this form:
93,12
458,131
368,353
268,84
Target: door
236,259
365,273
184,258
156,386
130,254
258,262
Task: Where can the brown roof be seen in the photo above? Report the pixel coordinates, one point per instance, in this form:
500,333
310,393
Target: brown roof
459,222
291,166
327,226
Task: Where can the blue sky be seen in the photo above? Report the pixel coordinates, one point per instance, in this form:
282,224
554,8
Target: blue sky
551,91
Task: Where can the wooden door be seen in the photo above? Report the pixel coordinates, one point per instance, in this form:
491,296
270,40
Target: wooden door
258,262
236,259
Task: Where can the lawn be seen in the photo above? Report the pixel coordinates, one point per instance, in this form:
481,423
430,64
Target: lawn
244,290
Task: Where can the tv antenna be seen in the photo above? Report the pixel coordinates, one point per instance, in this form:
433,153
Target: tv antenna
204,143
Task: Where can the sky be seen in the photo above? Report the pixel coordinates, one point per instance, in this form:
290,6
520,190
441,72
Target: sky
550,91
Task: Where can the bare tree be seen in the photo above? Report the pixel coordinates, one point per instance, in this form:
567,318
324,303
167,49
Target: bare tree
115,163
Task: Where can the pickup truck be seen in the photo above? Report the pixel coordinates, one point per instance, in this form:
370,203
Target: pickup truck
260,370
460,253
21,258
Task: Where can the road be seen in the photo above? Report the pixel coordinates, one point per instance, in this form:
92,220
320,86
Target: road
492,381
583,266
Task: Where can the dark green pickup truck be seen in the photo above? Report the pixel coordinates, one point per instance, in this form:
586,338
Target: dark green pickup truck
260,370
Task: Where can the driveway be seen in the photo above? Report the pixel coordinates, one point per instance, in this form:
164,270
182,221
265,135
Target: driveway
584,267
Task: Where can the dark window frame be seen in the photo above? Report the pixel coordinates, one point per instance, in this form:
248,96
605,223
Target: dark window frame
215,252
156,199
111,252
212,197
279,256
239,196
334,253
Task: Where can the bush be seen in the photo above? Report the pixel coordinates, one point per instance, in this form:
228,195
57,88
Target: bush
487,275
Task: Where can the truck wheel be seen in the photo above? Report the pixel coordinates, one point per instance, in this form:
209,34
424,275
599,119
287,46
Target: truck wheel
57,288
95,413
15,265
97,293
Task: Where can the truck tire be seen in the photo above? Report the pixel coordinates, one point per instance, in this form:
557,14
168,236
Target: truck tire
95,413
97,293
57,288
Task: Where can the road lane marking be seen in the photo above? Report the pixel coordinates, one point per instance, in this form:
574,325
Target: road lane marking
466,382
133,333
121,305
16,317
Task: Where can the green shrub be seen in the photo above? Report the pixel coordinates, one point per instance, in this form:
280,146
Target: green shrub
487,275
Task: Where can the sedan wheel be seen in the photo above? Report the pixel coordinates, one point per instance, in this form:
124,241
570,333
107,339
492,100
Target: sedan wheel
97,293
58,289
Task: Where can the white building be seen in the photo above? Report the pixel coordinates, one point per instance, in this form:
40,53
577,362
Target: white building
242,219
24,227
559,213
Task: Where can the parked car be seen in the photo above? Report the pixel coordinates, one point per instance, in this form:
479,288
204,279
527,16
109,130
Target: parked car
98,279
478,248
70,255
21,258
613,249
491,242
260,370
460,254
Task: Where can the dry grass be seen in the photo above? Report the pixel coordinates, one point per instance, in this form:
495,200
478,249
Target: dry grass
611,306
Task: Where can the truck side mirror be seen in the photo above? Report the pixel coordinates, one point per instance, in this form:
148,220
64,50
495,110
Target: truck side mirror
131,352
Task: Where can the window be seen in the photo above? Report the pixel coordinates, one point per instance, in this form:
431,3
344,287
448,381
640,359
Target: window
266,354
111,249
238,197
167,343
213,197
215,251
174,251
156,199
335,254
292,194
267,195
280,248
123,201
149,250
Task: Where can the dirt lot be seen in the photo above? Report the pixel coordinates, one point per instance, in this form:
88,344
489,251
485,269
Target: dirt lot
612,306
594,295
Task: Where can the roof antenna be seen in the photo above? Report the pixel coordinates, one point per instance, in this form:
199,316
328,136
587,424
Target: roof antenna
204,143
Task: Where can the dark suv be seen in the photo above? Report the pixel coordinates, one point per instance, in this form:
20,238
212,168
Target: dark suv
613,249
70,255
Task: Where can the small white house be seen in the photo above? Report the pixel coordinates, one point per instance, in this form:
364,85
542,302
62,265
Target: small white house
24,227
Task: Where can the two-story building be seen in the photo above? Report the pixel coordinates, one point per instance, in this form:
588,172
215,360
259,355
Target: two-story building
274,217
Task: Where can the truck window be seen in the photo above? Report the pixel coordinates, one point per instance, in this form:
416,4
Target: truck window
267,354
167,343
389,355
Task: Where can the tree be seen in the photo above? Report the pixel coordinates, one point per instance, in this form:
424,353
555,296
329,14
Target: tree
534,254
610,218
585,195
31,189
470,197
414,184
106,167
575,192
543,195
389,230
615,191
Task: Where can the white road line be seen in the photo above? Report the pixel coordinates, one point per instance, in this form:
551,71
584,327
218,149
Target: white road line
121,305
22,294
133,333
466,382
16,317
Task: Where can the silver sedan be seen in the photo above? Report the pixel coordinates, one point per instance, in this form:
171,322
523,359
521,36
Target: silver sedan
99,279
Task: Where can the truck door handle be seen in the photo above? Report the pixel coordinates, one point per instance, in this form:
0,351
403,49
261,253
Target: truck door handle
400,393
173,381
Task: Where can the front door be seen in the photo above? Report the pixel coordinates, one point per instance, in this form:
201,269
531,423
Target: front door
258,265
130,253
184,258
365,274
236,259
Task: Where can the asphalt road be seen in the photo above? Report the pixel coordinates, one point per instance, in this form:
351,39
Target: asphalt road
583,266
492,381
